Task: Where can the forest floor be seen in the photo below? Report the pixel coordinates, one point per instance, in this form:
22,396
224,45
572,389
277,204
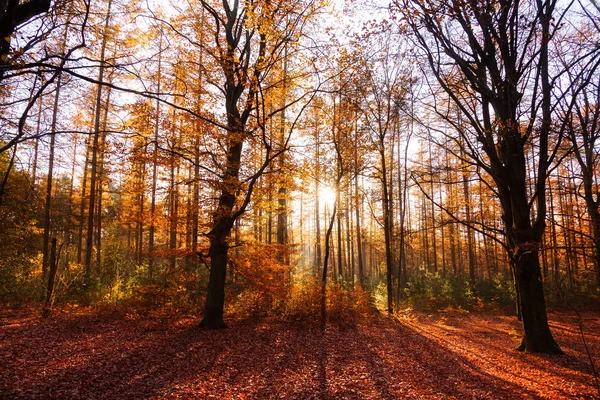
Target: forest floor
92,354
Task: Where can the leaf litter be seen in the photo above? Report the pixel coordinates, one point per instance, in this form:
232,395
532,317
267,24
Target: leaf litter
454,355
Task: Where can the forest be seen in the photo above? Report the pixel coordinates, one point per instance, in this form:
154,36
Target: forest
300,199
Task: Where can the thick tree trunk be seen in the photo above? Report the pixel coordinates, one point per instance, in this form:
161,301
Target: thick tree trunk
596,226
223,221
537,336
215,300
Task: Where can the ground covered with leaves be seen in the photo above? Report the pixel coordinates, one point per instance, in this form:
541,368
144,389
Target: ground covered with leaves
96,354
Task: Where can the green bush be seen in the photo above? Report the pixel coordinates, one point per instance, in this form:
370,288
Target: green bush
499,290
577,293
435,291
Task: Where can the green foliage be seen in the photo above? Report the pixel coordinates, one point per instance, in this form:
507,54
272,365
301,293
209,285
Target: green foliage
436,291
500,290
576,293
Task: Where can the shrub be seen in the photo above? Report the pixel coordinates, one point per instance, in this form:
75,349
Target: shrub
434,291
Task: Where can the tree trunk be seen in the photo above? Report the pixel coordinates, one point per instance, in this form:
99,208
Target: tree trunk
318,254
51,277
537,336
470,238
340,273
328,245
222,225
215,299
101,173
94,165
152,229
49,179
282,192
387,231
82,202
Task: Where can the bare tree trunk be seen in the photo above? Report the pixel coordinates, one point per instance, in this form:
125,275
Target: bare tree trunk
100,178
282,193
152,229
94,164
82,202
4,180
319,258
68,228
470,238
434,247
49,181
51,276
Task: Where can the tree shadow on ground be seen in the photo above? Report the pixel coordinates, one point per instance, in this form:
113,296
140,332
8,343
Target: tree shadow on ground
144,358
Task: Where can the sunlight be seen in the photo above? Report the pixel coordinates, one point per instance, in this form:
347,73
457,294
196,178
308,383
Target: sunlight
327,195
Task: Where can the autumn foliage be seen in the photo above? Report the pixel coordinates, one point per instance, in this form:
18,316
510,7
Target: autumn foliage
263,287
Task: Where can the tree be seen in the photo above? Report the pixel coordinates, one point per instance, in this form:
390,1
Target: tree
95,150
14,13
384,88
248,41
490,59
583,115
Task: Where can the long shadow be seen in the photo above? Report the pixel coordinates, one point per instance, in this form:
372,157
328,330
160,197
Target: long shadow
575,358
141,368
433,368
572,367
260,359
156,360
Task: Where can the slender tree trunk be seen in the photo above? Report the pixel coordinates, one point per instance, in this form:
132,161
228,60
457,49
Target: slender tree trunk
196,195
68,228
94,164
328,245
282,193
37,143
173,202
432,191
49,181
100,178
470,238
317,196
359,241
349,233
52,274
82,202
152,229
140,219
340,273
387,228
4,180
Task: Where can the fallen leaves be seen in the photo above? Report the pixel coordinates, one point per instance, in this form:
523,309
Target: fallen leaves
447,356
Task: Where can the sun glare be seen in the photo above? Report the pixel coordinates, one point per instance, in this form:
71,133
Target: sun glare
327,195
